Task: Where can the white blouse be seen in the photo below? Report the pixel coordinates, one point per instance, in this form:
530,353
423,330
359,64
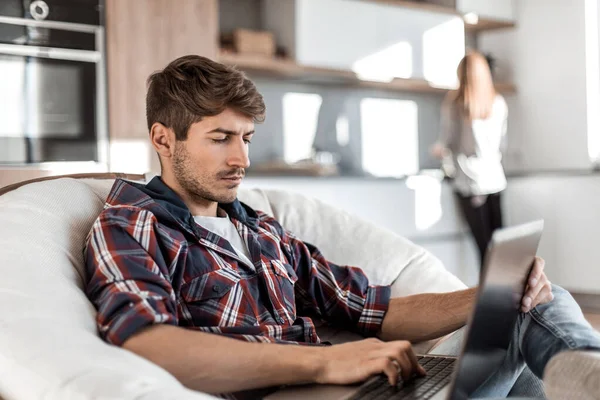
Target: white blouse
476,148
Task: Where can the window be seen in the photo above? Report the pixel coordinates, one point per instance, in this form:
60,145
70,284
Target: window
443,48
385,65
342,129
390,144
300,116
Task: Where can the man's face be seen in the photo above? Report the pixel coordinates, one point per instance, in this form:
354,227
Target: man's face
211,163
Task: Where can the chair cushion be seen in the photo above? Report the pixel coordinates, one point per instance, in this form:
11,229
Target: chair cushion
48,342
385,257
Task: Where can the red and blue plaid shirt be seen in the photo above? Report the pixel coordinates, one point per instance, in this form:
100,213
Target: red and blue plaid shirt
148,262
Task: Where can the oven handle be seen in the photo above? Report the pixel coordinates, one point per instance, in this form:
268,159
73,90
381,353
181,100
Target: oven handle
51,52
66,26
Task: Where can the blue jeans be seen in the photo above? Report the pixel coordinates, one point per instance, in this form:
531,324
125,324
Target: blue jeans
539,335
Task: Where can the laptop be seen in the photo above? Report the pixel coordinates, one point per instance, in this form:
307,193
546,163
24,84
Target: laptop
507,265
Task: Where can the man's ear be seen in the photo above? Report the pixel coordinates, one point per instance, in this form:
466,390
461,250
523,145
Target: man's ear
163,139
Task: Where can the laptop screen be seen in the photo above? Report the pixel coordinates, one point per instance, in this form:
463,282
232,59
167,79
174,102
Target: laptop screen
508,262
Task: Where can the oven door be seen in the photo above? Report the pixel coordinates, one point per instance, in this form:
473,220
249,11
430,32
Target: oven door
52,99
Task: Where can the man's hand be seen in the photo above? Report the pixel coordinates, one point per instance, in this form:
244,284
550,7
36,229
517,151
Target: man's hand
538,289
357,361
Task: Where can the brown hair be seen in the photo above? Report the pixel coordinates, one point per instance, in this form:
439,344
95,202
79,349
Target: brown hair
476,93
193,87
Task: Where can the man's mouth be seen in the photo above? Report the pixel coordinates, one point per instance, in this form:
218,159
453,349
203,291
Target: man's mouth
233,178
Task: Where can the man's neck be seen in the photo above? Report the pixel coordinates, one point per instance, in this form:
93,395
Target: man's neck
198,207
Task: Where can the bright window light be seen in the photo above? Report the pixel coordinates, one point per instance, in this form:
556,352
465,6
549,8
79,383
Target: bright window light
592,69
390,145
471,18
428,203
443,48
12,77
342,128
131,156
383,66
300,116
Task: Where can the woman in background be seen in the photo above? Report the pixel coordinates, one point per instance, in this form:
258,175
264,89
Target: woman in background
473,128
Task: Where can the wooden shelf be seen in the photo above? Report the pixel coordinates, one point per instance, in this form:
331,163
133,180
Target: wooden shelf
419,6
486,24
291,71
483,24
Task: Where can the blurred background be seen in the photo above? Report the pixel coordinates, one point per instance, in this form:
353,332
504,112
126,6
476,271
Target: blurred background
353,90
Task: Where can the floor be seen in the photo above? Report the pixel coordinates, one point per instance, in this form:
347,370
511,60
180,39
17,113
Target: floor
594,319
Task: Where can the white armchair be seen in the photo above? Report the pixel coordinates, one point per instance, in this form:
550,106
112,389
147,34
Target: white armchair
49,348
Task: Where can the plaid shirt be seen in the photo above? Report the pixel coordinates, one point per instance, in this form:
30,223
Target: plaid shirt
148,262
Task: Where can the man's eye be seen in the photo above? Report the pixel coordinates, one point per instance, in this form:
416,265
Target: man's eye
247,141
221,140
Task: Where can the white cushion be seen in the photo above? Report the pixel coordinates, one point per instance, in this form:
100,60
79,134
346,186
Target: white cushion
48,342
384,256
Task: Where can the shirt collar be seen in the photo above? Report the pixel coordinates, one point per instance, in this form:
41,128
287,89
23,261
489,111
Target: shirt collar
166,197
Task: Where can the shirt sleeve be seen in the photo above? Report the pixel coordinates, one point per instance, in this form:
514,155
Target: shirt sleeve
449,125
126,274
504,128
341,295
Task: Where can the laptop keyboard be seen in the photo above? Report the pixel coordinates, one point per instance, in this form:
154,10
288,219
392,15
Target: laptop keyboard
439,373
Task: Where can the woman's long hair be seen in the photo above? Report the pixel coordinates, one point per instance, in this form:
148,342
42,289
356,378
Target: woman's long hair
476,93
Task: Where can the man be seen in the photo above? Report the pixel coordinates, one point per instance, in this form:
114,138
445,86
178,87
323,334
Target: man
213,291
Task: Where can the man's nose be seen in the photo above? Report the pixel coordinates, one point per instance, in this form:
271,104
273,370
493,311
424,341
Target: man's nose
238,155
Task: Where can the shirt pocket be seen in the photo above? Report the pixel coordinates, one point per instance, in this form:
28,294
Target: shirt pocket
286,280
215,299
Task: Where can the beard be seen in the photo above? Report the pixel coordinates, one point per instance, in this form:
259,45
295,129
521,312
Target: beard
198,185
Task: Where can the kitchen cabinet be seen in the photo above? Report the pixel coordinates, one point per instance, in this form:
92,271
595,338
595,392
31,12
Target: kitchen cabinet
143,36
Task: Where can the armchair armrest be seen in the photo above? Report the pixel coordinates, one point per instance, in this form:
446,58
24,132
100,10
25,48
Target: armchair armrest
573,375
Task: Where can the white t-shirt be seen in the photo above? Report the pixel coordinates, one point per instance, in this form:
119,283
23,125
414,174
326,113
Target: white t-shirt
477,149
223,227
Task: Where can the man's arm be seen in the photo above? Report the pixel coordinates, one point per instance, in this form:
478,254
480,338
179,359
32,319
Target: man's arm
126,280
432,315
340,295
217,364
426,316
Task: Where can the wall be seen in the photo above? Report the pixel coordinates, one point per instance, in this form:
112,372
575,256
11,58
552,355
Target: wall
569,206
239,14
545,57
405,39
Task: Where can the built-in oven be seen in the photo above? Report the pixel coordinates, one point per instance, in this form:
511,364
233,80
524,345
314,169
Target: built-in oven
52,82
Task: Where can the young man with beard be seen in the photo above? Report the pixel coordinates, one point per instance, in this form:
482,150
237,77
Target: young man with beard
215,292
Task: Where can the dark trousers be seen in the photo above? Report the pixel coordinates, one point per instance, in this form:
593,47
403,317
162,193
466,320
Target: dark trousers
483,220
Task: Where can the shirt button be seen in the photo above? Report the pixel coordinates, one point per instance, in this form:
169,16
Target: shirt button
216,288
